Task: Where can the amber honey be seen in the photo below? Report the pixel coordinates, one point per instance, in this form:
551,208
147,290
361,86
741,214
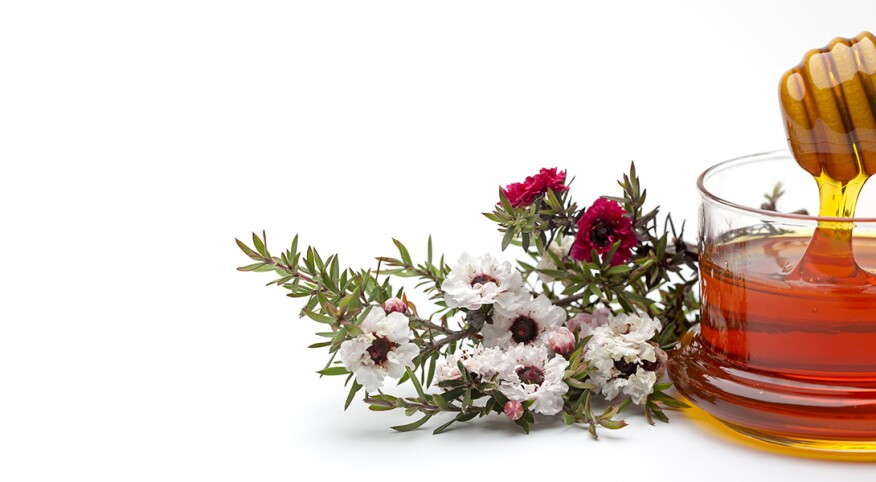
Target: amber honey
786,360
786,349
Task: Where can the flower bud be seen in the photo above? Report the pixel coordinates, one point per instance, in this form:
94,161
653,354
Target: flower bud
562,340
395,305
587,322
514,409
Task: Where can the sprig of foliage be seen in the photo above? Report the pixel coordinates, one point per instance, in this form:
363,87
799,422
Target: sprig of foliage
660,279
539,223
656,280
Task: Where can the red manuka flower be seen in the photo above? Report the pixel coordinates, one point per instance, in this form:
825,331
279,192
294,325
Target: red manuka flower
523,193
602,225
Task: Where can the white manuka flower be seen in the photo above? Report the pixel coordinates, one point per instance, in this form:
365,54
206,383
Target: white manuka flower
485,364
622,358
537,377
475,282
382,349
560,248
529,323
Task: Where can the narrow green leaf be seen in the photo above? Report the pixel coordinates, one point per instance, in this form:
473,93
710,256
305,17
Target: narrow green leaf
252,267
431,372
574,383
416,383
506,240
319,318
333,371
413,425
506,204
406,257
440,402
259,245
444,427
613,424
380,408
294,248
465,417
247,250
355,388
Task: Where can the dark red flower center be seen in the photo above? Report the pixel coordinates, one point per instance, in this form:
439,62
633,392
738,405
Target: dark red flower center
524,329
601,234
625,368
380,348
531,375
483,279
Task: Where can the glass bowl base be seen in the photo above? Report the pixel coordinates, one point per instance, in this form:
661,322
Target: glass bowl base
834,446
820,415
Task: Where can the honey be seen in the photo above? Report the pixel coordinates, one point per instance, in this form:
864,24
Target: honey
757,367
786,348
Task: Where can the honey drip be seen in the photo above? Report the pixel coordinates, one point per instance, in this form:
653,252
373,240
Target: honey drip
828,104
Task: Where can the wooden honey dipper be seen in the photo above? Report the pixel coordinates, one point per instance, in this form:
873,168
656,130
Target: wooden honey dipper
829,108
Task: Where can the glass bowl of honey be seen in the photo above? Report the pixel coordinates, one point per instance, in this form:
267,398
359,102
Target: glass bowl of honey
786,348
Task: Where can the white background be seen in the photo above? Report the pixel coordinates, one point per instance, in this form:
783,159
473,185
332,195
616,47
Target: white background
138,139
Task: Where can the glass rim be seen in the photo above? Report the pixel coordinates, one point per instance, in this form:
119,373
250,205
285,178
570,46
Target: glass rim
758,211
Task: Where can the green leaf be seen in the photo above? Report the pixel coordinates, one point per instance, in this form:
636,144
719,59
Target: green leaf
319,318
667,400
413,425
247,250
574,383
252,267
294,248
259,245
613,424
506,240
406,257
380,408
431,373
465,417
429,251
443,427
355,388
440,402
523,424
333,371
416,383
658,414
506,204
606,259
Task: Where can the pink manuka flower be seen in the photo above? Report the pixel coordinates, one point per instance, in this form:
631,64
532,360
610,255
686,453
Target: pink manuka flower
599,228
523,193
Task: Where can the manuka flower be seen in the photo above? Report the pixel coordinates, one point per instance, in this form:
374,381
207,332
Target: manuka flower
529,323
382,349
602,225
475,282
537,377
622,358
523,193
483,364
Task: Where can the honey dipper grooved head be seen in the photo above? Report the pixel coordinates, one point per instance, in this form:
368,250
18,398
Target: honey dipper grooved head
829,108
